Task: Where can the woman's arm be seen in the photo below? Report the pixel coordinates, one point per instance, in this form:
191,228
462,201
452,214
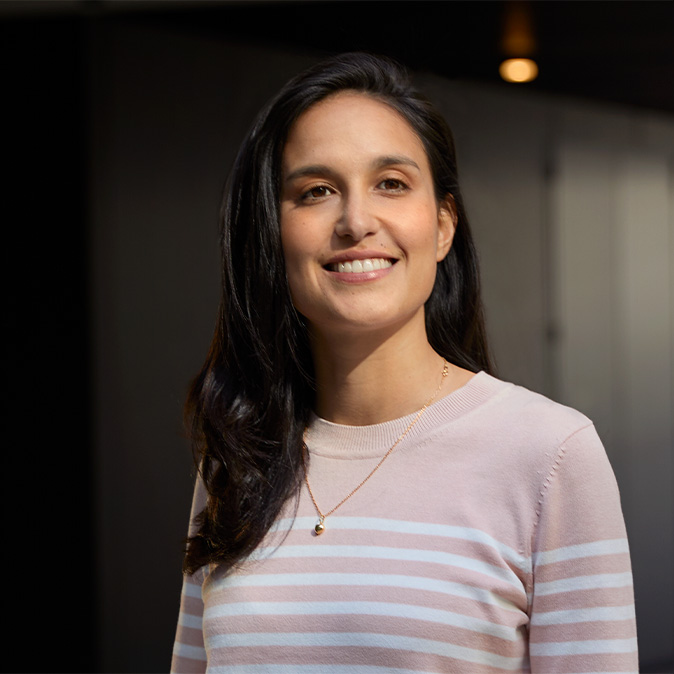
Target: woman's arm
189,654
582,610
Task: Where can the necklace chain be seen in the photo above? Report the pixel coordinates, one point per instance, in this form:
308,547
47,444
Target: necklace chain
320,526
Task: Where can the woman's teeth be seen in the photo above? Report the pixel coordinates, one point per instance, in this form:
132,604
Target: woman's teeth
359,266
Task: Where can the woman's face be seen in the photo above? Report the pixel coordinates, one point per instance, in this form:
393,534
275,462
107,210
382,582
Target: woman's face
361,228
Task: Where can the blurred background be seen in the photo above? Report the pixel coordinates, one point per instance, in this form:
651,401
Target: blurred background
121,120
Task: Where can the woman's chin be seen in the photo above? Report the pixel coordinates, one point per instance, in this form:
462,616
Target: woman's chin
366,322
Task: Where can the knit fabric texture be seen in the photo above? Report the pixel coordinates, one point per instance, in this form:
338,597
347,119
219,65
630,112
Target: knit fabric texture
491,540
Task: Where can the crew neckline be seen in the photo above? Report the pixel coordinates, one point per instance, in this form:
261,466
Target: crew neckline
326,438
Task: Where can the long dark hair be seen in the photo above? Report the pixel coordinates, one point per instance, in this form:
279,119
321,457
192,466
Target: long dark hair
249,406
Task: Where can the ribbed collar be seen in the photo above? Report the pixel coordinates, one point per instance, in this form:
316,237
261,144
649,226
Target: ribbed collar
364,442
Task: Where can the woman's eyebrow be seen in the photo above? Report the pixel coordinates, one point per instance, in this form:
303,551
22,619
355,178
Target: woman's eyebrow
394,160
312,170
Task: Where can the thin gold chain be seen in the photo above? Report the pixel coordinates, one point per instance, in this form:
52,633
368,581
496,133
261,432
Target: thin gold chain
321,515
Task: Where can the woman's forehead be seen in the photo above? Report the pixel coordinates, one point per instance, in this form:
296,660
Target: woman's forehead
351,122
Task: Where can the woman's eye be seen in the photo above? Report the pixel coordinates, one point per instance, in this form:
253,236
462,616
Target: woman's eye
316,192
393,185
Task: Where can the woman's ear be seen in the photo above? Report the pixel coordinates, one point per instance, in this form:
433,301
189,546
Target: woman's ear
447,220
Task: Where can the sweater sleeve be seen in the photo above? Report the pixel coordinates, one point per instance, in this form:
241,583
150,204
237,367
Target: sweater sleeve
189,654
582,606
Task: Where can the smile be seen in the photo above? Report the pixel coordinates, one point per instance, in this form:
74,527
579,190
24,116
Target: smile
360,266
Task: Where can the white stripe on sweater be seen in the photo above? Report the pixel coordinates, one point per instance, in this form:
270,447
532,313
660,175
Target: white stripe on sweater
369,579
193,621
312,669
366,640
190,652
599,581
583,615
398,554
370,608
596,647
414,528
609,547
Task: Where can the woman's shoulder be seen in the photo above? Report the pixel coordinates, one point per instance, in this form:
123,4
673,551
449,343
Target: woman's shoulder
526,411
522,440
514,426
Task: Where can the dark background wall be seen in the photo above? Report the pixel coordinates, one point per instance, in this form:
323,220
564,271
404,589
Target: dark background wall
121,120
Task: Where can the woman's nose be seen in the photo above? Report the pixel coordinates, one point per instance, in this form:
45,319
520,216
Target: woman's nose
357,219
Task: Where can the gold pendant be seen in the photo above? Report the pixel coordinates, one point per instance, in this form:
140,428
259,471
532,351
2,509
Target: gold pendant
320,527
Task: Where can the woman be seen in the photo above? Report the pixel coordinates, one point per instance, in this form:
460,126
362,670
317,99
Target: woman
370,497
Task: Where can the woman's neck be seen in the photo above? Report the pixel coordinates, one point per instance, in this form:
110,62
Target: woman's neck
372,380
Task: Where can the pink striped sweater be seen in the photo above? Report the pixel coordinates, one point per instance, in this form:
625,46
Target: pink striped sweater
491,540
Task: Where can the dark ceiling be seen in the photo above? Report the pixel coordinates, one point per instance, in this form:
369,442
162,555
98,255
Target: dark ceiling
620,51
617,51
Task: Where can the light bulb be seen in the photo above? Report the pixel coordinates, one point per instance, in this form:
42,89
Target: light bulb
518,70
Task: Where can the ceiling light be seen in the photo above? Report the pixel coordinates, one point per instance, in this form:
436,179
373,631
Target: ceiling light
518,42
518,70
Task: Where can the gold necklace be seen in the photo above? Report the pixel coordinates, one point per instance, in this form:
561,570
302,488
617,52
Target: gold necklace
320,525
